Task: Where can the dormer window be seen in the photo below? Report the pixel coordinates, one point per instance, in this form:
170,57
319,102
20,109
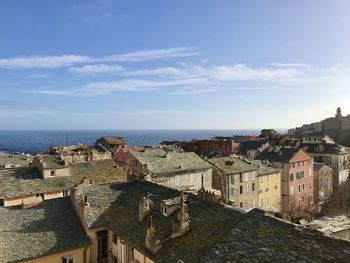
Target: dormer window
52,173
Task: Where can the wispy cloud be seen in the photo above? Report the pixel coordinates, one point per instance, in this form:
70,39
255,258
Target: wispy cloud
96,68
290,65
71,60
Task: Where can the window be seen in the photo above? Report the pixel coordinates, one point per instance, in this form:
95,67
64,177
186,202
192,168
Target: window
65,193
303,199
310,185
232,192
240,204
303,187
241,189
308,200
291,177
52,173
68,259
102,246
1,202
253,187
299,188
240,178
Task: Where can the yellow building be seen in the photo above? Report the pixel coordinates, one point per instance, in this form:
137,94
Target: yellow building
269,185
50,233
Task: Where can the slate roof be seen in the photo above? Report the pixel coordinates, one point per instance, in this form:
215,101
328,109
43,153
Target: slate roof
232,165
325,148
13,184
217,233
53,162
14,159
283,155
159,161
36,232
250,145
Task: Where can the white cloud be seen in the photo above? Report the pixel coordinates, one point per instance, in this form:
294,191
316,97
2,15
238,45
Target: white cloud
290,65
42,62
96,68
70,60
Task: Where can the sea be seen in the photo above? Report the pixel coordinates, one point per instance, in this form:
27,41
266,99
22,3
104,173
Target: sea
33,142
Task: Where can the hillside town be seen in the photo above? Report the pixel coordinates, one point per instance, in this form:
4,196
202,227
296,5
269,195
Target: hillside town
222,199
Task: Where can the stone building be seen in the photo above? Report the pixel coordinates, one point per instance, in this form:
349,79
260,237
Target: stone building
335,156
119,156
323,182
247,184
51,166
178,170
110,143
297,177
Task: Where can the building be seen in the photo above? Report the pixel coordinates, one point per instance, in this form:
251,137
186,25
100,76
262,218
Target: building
26,186
247,184
252,148
297,177
333,123
268,133
335,156
145,222
119,156
211,147
317,138
110,143
178,170
50,232
323,175
51,166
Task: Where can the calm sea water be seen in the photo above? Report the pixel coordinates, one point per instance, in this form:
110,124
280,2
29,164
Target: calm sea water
38,141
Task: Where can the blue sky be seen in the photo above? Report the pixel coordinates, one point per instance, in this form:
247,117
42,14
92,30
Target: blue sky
124,64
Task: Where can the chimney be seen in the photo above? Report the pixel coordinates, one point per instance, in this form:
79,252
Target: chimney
151,242
145,206
201,192
181,224
85,207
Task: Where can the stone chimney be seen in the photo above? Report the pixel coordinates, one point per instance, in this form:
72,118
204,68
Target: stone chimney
85,207
145,206
151,242
181,224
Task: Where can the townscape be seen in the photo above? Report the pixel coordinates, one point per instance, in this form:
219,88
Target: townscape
276,197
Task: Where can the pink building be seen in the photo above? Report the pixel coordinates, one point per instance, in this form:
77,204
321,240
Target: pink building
297,177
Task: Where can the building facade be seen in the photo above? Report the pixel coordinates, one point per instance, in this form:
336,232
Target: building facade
323,182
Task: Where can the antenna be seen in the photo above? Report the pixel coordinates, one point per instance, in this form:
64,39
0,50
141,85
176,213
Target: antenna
329,113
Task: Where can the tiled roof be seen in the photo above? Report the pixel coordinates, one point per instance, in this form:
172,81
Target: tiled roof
36,232
217,234
325,148
103,171
15,159
26,181
283,155
232,165
159,161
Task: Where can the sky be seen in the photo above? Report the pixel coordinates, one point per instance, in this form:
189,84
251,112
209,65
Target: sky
161,64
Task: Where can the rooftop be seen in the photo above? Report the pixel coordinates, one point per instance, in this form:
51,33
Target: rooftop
15,160
27,181
159,161
236,237
278,154
328,148
36,232
53,161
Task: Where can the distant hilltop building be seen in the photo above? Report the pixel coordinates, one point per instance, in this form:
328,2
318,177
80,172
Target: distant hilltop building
331,125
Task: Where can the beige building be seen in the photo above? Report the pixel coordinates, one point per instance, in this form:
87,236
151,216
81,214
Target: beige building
246,183
323,182
174,169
